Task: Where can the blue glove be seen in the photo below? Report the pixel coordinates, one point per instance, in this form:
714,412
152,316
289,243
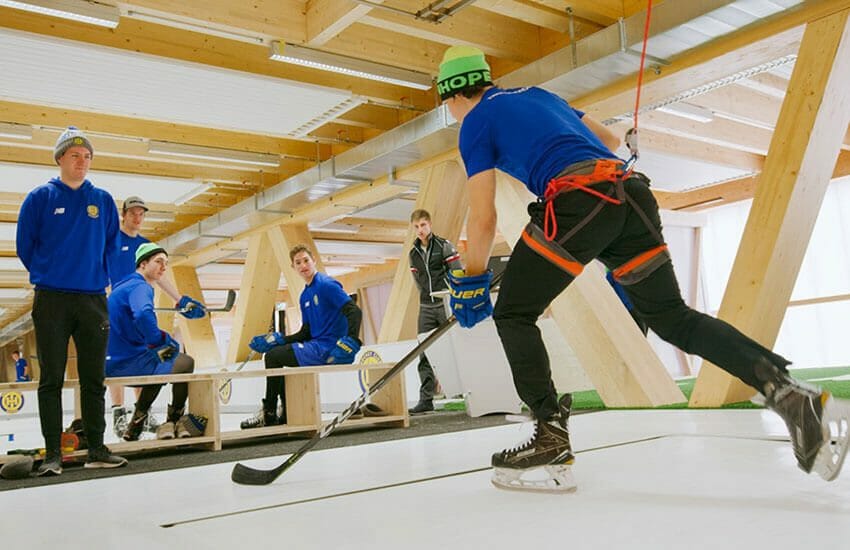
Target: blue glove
344,351
265,342
194,309
470,297
167,349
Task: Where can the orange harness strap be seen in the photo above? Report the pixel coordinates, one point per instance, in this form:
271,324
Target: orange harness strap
606,170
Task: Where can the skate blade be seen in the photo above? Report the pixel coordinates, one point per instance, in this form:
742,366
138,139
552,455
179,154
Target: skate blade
554,478
836,427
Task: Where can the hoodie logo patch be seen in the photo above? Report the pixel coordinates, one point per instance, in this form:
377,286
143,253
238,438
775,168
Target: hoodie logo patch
92,211
125,249
60,210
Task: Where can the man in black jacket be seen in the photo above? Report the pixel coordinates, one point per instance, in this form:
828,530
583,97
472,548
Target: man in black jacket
431,258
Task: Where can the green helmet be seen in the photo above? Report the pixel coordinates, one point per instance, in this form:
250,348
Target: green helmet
147,251
462,67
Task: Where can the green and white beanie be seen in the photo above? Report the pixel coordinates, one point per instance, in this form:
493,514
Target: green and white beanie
462,67
71,137
148,250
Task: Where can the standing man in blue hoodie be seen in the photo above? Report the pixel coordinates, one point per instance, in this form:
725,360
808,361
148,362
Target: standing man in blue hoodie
67,232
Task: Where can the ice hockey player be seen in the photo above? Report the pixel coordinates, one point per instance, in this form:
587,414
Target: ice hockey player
587,208
138,347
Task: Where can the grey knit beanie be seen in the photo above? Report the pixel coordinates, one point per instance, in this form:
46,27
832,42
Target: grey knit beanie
71,137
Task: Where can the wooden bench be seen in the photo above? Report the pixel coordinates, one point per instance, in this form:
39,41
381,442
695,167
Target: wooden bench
303,414
303,404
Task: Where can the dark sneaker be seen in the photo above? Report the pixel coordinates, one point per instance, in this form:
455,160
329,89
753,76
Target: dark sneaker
424,406
51,465
103,458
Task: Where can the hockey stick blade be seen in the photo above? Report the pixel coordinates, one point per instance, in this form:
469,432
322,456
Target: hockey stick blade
225,389
245,475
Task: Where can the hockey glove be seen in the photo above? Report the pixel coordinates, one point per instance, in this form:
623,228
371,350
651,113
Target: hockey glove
344,351
470,297
167,349
265,342
193,308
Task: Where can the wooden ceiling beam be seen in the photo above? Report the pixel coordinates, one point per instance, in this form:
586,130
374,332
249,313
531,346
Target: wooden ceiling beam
325,19
494,34
114,125
720,131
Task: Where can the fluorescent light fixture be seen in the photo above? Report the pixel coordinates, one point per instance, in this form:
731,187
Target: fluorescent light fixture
159,216
342,228
15,131
156,18
326,61
84,11
689,111
212,153
198,190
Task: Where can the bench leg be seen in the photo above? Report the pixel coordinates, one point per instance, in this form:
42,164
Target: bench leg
392,397
203,400
303,403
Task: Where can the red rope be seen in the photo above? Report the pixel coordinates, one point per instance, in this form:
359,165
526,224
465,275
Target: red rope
642,59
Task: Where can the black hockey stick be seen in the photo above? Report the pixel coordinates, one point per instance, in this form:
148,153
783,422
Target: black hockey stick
245,475
228,305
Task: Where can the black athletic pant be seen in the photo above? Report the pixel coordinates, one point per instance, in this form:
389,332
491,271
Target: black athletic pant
277,357
183,364
430,317
616,235
59,316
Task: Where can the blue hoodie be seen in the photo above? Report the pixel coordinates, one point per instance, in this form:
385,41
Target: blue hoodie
132,321
66,237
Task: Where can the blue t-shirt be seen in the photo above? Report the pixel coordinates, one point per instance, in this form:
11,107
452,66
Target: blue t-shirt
66,238
132,321
123,264
321,302
20,365
528,133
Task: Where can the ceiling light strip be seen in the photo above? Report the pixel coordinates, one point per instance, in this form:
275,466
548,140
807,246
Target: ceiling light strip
326,61
83,11
212,153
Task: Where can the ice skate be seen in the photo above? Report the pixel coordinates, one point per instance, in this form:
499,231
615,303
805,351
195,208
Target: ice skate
543,462
265,417
817,422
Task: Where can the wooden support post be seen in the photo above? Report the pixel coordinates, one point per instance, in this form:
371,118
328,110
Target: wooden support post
303,402
615,355
255,304
164,319
443,195
198,335
800,163
203,400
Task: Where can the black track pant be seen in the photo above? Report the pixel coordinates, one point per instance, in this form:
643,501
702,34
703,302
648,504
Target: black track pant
616,235
430,317
183,364
57,317
277,357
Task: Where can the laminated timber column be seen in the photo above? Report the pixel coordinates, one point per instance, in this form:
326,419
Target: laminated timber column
617,358
198,335
800,161
283,238
443,195
255,303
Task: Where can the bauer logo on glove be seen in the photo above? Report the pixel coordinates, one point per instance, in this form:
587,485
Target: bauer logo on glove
470,297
